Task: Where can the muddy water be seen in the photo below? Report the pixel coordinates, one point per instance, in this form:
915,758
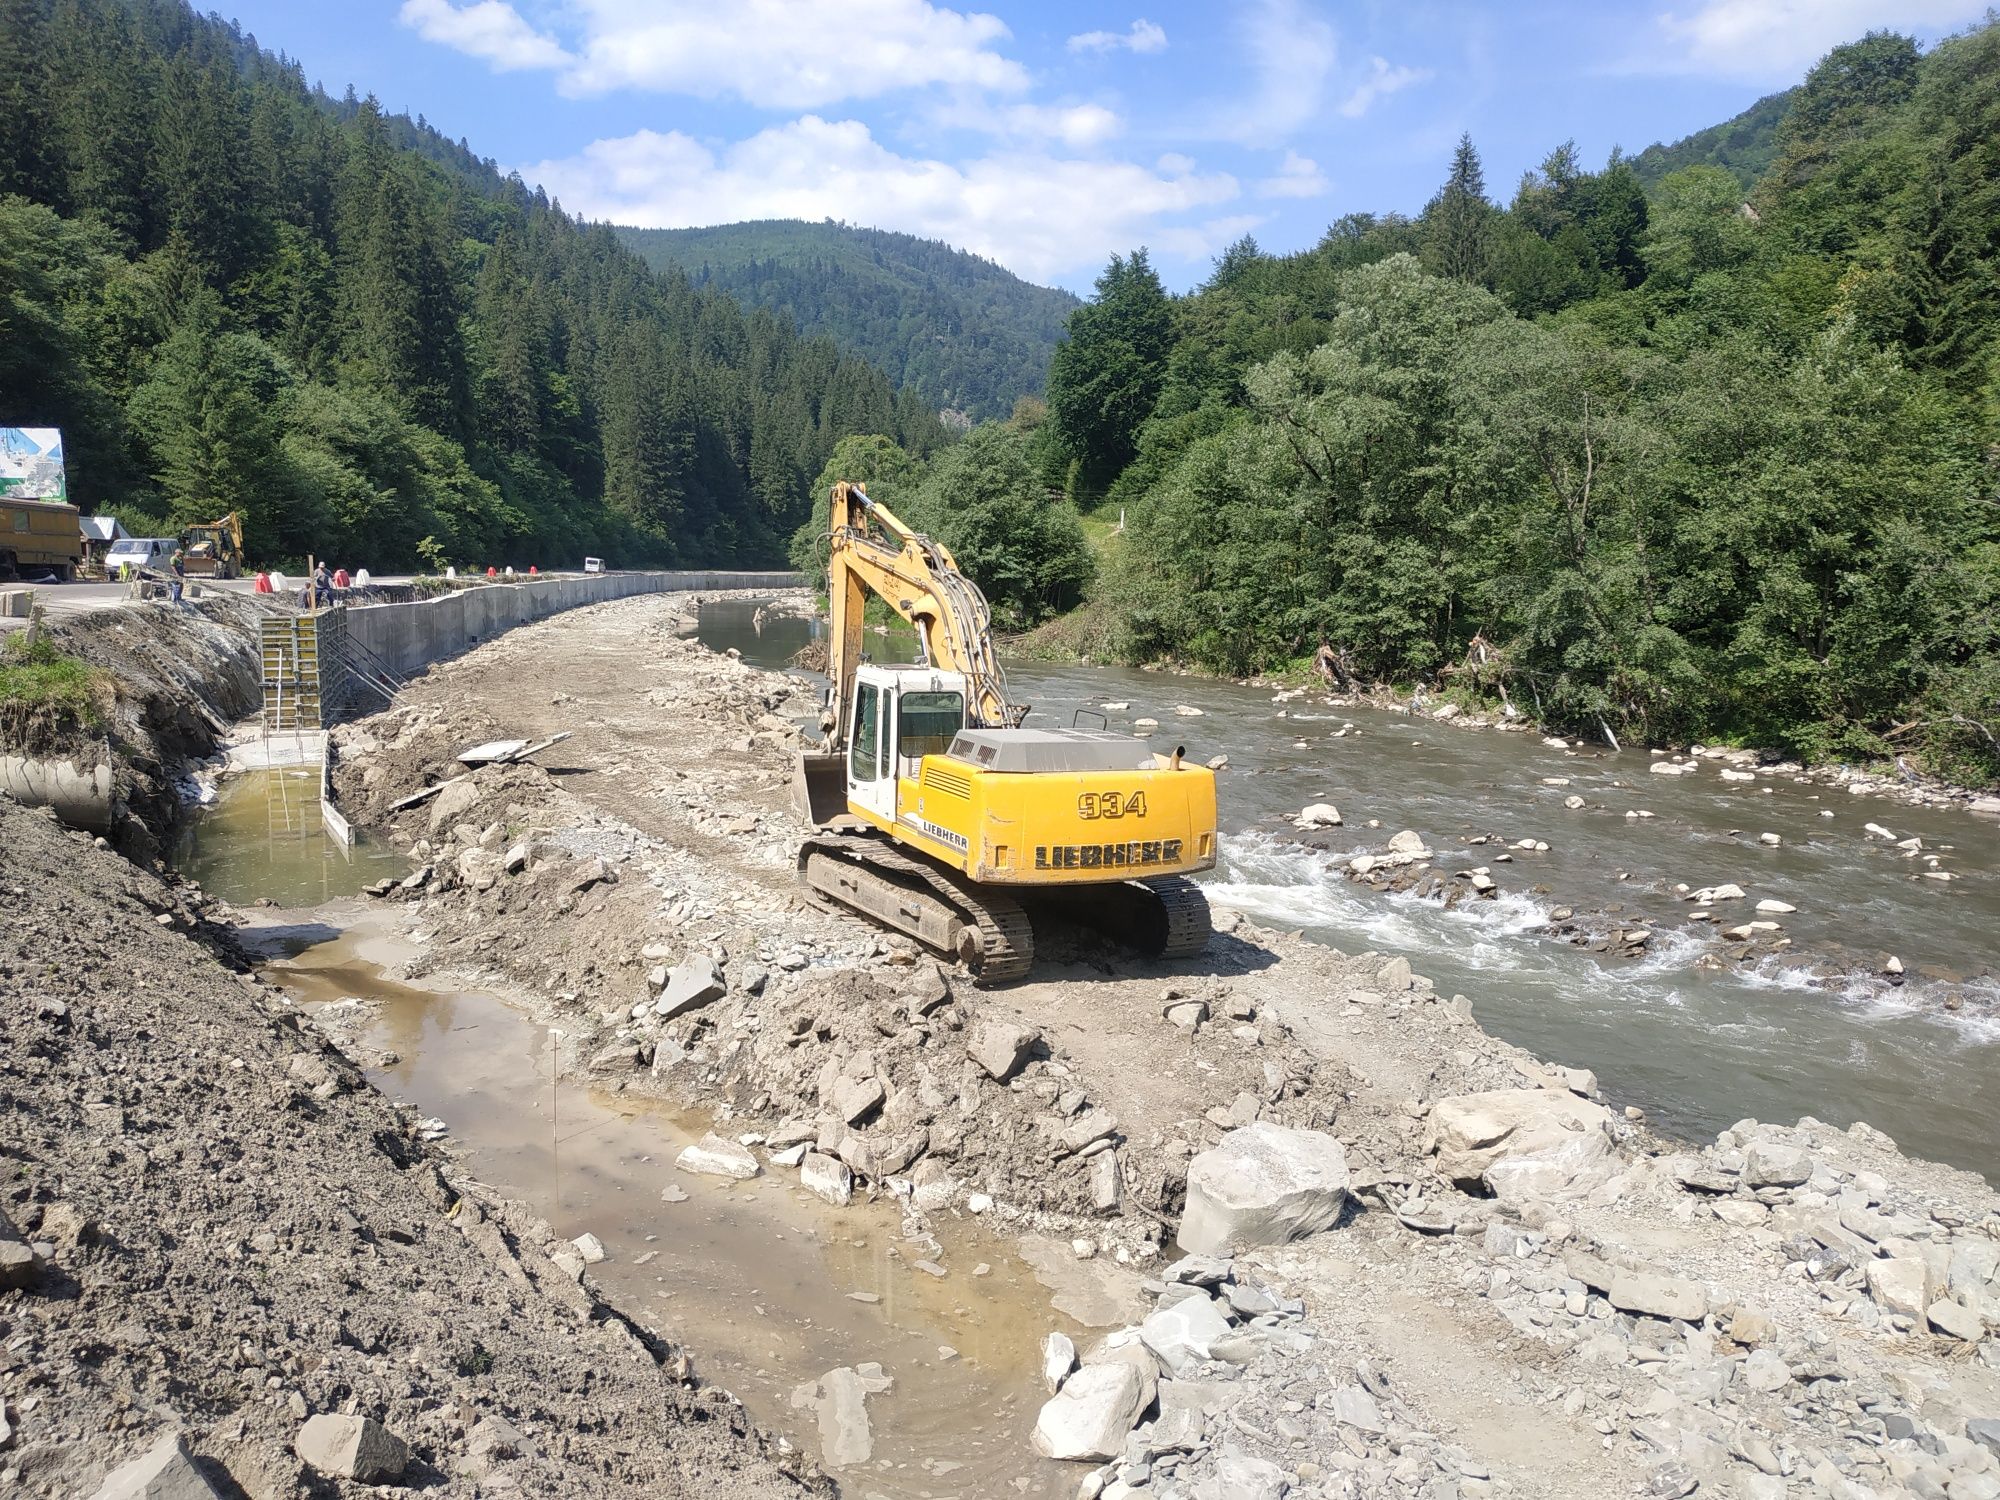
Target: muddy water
1814,1032
263,836
761,1281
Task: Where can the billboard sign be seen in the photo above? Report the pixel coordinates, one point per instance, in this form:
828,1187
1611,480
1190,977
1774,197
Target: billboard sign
31,464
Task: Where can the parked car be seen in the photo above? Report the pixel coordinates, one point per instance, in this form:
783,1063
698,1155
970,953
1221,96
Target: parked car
593,565
138,552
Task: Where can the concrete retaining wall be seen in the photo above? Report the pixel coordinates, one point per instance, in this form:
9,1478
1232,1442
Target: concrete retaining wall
409,637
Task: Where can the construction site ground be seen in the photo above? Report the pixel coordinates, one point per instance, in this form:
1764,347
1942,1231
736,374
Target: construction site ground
1633,1316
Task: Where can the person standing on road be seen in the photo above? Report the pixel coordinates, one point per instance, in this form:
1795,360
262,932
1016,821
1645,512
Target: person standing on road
180,568
322,586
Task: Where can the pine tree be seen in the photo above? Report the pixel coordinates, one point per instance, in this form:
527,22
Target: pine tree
1106,377
1458,222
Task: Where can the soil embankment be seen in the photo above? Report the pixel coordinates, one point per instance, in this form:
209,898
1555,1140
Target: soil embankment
1529,1293
225,1234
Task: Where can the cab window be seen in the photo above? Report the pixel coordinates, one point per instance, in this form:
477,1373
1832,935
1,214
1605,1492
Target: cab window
927,723
861,760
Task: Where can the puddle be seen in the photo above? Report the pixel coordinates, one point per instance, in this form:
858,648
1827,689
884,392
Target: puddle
753,1278
262,836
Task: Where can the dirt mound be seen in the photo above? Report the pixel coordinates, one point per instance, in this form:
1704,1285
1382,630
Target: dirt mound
233,1233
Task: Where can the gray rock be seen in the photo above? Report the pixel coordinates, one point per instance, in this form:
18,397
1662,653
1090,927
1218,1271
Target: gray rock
1959,1322
1241,1476
1058,1359
1765,1371
854,1099
1000,1047
619,1057
516,858
20,1267
1985,1431
164,1471
1181,1336
1262,1184
715,1156
1089,1418
1657,1296
1394,976
1318,815
1769,1164
452,804
827,1177
590,872
357,1448
692,983
1523,1142
1106,1185
1092,1125
1353,1407
1901,1284
839,1399
591,1248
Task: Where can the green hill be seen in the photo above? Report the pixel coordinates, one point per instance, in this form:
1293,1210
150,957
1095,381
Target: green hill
959,330
1744,147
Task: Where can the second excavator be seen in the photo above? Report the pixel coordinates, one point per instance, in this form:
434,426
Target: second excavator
939,814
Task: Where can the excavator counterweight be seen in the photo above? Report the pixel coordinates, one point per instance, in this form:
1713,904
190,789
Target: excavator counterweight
940,815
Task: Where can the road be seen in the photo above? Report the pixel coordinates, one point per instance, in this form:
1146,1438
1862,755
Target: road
62,599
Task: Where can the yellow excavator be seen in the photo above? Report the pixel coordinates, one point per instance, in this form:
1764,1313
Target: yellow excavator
937,813
214,549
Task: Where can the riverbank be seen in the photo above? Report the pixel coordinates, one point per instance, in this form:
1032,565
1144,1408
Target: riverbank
1605,1308
223,1255
1083,639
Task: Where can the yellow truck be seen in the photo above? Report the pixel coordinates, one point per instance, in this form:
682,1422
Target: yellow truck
939,814
41,534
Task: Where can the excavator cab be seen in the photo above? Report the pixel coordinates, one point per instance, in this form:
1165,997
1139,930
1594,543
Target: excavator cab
900,715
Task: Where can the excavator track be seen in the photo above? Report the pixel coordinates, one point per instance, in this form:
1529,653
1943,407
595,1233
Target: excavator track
1162,918
983,927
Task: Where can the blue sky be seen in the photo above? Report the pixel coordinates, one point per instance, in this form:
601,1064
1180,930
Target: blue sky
1046,135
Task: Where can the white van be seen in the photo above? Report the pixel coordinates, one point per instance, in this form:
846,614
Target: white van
137,552
593,565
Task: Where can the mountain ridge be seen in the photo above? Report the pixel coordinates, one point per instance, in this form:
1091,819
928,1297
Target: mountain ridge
958,328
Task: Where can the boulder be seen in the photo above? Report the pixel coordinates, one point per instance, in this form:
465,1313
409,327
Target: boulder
714,1156
1770,1164
1318,815
1262,1184
1088,1420
357,1448
1519,1142
515,860
1000,1047
1774,908
1180,1335
1394,976
1765,1371
164,1471
854,1099
453,803
691,984
1411,843
1957,1321
827,1177
1242,1476
591,1248
1901,1284
589,872
1656,1295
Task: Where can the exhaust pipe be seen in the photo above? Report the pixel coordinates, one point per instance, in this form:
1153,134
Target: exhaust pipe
1174,761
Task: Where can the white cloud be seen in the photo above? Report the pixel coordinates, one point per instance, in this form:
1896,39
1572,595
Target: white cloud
1291,51
1078,126
1039,214
1782,38
1297,177
1143,36
491,29
1382,80
777,54
1201,241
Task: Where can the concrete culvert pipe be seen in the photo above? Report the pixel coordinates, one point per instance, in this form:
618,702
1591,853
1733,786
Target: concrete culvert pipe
80,794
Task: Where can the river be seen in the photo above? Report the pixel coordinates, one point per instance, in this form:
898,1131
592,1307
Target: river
1697,1048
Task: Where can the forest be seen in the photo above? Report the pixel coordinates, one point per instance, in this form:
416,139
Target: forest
235,292
1699,462
966,335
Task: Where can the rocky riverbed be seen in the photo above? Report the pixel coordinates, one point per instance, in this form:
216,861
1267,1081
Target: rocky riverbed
1512,1285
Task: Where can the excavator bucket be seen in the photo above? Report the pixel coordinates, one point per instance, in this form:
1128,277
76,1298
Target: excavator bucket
819,789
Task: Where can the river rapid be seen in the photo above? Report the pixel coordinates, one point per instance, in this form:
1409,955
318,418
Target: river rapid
1816,1030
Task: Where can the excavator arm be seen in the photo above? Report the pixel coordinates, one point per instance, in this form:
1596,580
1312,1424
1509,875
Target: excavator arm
920,581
